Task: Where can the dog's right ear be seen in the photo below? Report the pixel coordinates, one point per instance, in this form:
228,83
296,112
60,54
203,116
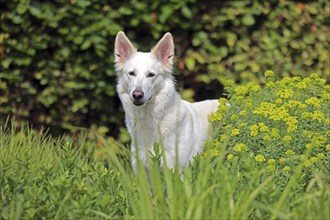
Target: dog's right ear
124,49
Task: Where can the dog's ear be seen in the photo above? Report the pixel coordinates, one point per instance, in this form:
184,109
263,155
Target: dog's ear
164,50
124,49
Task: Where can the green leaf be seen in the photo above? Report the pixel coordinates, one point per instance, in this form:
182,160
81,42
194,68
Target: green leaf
186,12
231,38
87,43
248,20
199,58
204,78
223,51
21,8
36,12
190,63
6,62
78,40
65,52
125,10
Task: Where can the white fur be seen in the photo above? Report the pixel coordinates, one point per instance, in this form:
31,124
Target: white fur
162,116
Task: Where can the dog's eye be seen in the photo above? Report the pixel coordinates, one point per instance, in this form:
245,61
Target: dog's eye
150,75
131,73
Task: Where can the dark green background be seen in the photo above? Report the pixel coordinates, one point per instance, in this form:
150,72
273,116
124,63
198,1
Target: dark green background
57,56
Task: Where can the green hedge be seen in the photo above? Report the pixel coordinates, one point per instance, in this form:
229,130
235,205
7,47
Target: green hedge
57,56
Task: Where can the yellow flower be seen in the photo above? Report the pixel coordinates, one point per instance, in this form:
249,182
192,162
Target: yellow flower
222,107
308,146
265,109
216,116
282,160
285,93
248,103
291,122
278,101
289,153
223,101
263,127
254,130
287,169
319,140
292,103
314,76
307,163
327,121
271,168
325,96
271,162
320,155
243,112
230,156
301,85
313,159
260,158
235,132
275,133
212,153
266,138
313,102
327,147
305,115
269,73
277,114
241,90
223,138
228,126
255,88
234,117
238,98
241,125
240,147
270,84
230,85
287,138
317,116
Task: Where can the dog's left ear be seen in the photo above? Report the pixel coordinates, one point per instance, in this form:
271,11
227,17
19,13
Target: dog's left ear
164,50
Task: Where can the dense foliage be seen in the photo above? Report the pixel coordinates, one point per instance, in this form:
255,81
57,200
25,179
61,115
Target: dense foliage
56,64
280,126
46,178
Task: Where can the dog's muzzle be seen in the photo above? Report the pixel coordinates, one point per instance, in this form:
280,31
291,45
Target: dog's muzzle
138,96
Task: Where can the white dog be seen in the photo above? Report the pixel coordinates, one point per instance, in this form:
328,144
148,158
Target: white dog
155,113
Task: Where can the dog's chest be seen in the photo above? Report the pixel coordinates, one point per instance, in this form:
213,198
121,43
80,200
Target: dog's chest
145,136
148,130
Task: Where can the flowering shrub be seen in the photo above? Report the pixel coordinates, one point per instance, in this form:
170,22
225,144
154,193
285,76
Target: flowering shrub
279,126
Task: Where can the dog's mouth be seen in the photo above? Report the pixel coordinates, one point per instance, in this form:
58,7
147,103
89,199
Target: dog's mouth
140,102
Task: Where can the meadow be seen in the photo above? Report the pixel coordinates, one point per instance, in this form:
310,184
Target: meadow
267,158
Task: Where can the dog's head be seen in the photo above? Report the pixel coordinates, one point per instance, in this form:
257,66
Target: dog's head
141,75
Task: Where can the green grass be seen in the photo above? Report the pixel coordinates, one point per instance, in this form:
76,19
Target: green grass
44,177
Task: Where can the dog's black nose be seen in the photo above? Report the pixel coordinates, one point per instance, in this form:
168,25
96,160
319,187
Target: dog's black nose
138,94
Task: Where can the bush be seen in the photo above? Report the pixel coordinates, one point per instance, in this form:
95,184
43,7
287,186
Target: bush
43,177
57,63
284,127
46,178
